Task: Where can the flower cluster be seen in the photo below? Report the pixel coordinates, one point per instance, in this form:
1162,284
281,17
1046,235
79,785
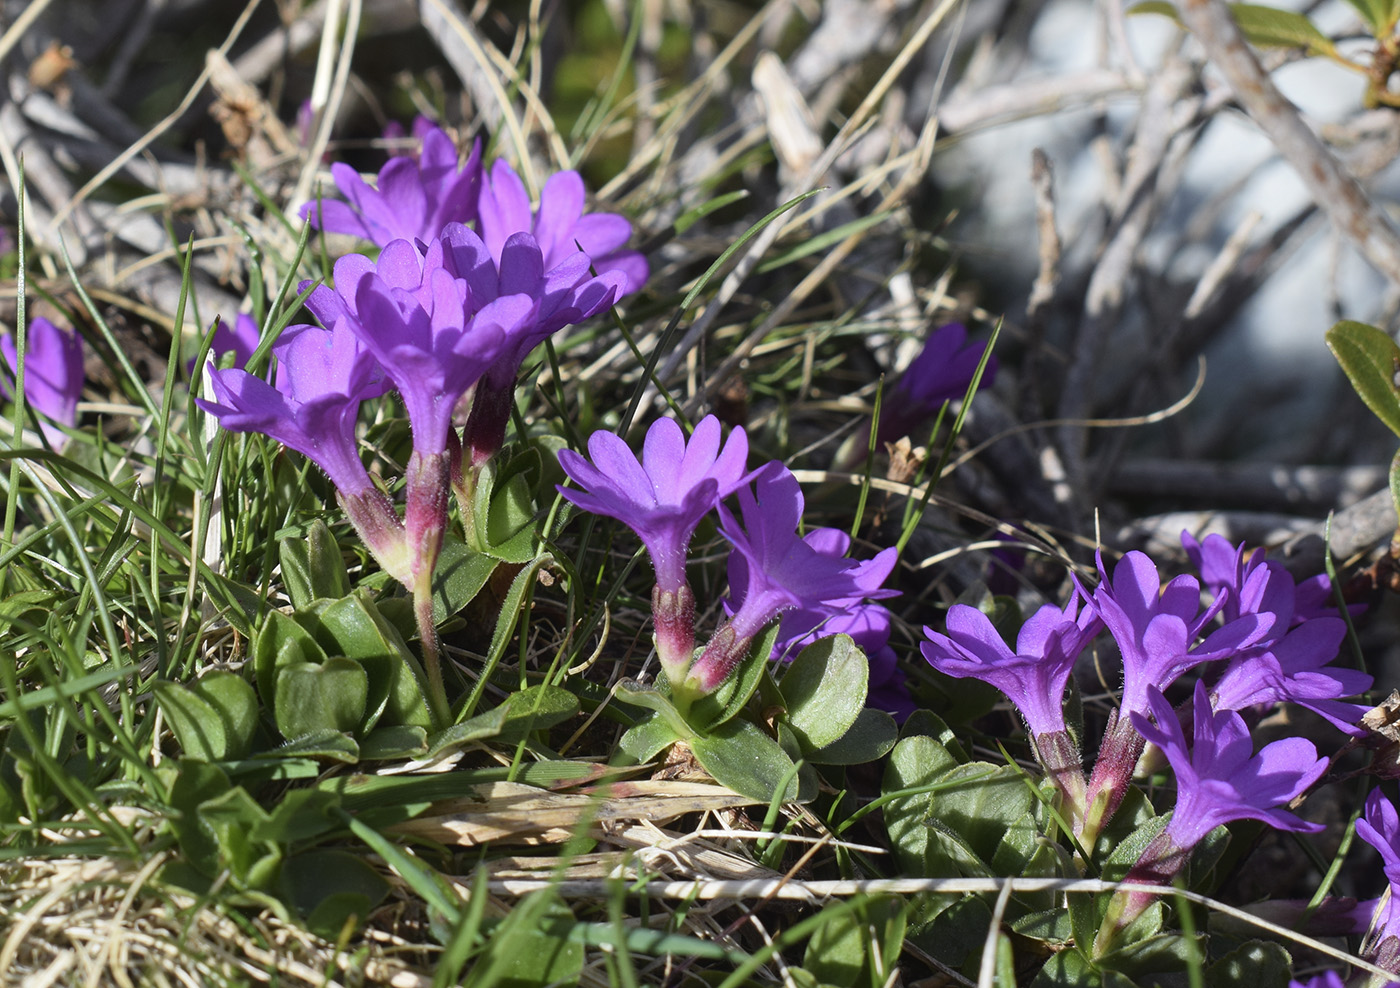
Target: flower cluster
1273,639
444,317
773,570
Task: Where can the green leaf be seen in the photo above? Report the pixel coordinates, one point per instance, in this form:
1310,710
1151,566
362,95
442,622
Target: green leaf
530,948
191,784
649,697
1050,926
335,745
1395,482
871,736
280,642
300,815
1261,25
982,805
1159,954
232,817
646,739
477,728
460,574
1067,969
1256,964
238,603
742,757
536,709
329,887
825,688
295,557
326,697
1371,361
354,627
859,946
509,532
1272,27
325,565
215,719
393,743
1380,15
915,762
808,783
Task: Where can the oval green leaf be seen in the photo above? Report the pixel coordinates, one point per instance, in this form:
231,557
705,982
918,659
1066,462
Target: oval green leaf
825,688
1371,361
327,697
742,757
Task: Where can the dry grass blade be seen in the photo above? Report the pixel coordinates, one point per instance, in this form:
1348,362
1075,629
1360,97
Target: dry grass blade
507,812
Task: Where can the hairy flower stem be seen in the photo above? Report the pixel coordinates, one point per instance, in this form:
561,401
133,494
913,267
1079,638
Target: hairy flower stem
486,426
1113,771
673,615
425,521
379,528
1159,863
722,655
1064,765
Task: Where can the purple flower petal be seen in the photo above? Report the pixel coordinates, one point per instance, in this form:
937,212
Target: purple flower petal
665,496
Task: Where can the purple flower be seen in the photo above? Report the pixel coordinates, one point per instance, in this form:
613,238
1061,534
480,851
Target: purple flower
1155,627
1294,669
328,373
1219,778
1257,585
662,499
1034,676
941,372
559,226
414,200
783,572
432,335
563,294
1240,586
53,375
1381,829
665,496
867,624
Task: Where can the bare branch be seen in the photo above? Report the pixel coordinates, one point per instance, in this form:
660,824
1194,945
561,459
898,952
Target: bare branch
1329,183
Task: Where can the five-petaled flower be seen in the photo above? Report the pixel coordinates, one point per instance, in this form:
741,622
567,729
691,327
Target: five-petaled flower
1219,779
783,571
1033,677
662,499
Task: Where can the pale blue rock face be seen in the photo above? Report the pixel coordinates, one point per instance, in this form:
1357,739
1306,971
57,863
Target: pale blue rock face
1226,182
